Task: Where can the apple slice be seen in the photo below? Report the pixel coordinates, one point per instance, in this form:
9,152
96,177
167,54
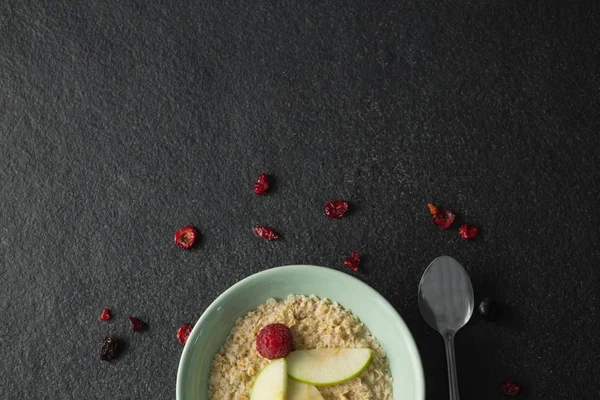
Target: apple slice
271,382
321,367
302,391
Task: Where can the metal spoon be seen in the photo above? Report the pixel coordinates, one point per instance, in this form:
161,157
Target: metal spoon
446,303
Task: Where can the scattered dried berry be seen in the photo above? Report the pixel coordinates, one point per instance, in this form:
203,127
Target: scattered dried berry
105,316
444,218
108,350
136,324
353,261
262,184
467,231
274,341
186,237
336,209
488,309
184,332
433,209
511,388
265,233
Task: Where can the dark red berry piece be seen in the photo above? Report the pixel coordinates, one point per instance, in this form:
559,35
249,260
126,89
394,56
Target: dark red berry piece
105,316
274,341
467,231
444,218
488,309
186,237
511,388
353,261
336,209
265,233
136,324
108,348
262,184
184,332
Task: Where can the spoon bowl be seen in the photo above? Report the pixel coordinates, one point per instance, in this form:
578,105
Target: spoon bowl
446,299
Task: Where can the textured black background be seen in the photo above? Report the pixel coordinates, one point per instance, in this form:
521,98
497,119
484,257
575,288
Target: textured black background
121,121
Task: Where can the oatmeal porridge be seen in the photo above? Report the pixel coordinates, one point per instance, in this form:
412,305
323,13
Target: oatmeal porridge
314,323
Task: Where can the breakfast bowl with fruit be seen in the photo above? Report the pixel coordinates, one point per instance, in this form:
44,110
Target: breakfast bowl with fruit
300,333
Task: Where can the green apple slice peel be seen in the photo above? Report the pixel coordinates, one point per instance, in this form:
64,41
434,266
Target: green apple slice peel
302,391
271,383
324,366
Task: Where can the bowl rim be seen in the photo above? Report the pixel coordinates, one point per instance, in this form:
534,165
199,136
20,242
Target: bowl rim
406,333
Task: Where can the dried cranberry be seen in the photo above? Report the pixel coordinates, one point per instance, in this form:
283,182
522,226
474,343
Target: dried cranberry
353,261
105,316
433,209
274,341
136,324
108,349
262,184
336,209
444,218
467,231
265,233
184,332
186,237
511,388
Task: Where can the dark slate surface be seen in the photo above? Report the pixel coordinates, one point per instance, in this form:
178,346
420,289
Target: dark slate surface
121,121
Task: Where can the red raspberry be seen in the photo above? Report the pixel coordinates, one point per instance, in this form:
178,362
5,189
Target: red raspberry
262,184
105,315
511,388
184,332
274,341
336,209
186,237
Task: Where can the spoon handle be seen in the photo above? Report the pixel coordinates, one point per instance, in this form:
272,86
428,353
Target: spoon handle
451,361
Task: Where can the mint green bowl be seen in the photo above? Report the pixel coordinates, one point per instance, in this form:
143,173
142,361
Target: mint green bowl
212,329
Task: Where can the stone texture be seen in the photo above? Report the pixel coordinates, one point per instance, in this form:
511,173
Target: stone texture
121,121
